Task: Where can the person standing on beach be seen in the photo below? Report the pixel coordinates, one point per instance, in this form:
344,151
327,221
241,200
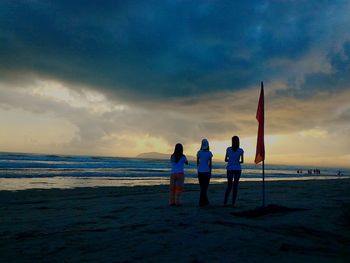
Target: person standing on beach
234,158
177,159
204,163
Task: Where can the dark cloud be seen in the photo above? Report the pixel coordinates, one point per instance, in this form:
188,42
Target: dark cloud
329,83
155,49
338,78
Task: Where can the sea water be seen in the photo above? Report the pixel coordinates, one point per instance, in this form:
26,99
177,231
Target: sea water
24,170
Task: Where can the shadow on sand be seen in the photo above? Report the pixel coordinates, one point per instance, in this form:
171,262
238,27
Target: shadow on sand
270,209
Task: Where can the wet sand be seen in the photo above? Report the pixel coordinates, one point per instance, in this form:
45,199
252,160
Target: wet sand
135,224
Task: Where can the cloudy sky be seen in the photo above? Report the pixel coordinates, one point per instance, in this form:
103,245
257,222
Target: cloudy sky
125,77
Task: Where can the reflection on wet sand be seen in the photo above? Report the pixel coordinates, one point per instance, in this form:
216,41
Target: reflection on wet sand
14,184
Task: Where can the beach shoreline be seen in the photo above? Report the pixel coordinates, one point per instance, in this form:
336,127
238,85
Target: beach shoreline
66,182
135,224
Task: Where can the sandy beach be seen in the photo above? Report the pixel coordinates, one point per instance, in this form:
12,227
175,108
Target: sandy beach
135,224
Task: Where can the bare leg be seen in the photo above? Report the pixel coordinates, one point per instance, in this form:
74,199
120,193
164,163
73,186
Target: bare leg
172,191
237,175
229,185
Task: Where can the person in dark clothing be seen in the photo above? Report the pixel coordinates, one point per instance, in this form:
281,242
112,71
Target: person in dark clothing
204,164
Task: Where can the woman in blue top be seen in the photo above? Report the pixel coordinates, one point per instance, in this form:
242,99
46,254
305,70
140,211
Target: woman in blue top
204,162
177,159
234,158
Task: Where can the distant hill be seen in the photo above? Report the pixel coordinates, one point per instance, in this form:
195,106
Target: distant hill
161,156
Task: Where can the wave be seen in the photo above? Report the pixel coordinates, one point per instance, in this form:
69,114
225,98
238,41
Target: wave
22,165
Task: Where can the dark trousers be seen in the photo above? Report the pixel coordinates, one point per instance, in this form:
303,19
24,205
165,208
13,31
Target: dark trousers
203,179
232,175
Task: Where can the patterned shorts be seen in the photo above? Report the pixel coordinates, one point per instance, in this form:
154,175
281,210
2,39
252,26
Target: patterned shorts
177,182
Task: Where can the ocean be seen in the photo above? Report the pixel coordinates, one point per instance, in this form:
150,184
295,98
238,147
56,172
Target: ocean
24,171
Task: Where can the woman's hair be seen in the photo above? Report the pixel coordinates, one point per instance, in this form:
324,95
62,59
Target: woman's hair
178,152
235,143
205,145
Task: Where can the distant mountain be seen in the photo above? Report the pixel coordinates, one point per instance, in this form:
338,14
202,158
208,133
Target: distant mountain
161,156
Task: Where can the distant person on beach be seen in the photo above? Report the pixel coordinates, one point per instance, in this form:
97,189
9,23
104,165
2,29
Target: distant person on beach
234,158
204,163
177,159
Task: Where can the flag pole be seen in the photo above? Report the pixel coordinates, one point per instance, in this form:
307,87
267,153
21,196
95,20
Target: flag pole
263,162
263,184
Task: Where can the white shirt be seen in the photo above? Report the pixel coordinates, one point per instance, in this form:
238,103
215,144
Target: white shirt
204,157
179,166
233,158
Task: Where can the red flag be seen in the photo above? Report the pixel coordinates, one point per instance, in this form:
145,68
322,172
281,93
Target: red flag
260,145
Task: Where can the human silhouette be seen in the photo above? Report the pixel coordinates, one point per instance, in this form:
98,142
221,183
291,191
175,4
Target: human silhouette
204,164
234,158
177,159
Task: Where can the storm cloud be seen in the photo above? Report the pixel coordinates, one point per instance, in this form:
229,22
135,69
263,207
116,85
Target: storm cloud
152,50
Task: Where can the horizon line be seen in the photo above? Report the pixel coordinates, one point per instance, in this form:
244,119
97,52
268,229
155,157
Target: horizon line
133,157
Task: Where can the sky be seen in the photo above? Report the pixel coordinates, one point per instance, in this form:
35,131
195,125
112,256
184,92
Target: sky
119,78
